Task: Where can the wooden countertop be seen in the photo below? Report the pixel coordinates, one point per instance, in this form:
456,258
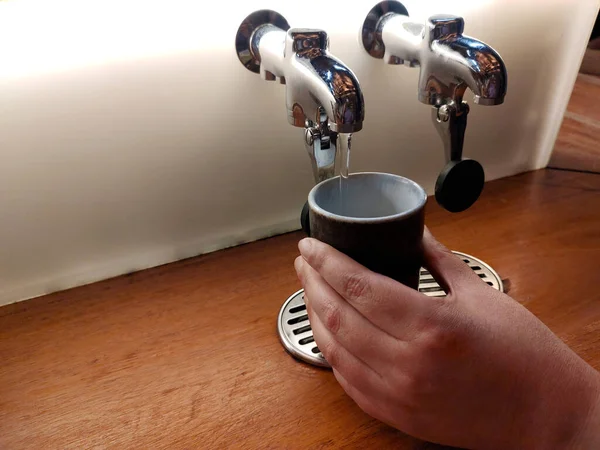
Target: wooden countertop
187,355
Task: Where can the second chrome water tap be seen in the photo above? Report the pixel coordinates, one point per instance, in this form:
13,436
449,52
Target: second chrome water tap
449,63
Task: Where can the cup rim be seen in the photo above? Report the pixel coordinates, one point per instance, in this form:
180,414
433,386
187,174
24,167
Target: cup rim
422,200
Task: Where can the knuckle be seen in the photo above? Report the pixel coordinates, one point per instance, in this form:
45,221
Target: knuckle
441,340
356,286
332,317
425,324
331,352
439,332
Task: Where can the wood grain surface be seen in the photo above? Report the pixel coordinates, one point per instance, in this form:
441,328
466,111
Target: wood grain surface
577,146
186,355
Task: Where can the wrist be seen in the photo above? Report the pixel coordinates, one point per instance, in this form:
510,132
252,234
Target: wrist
567,413
588,437
577,425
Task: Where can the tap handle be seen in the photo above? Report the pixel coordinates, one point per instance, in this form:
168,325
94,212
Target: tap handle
321,144
460,183
451,123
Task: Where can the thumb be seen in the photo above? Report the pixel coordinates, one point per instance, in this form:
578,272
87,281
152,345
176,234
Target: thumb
448,269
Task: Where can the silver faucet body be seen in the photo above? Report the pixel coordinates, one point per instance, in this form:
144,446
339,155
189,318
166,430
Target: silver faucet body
314,78
449,61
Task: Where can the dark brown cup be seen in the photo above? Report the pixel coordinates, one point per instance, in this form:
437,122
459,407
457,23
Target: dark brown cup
378,222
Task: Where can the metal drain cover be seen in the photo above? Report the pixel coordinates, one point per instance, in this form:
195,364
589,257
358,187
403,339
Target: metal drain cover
296,334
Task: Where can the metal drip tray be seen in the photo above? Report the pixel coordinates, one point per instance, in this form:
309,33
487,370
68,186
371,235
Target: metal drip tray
296,334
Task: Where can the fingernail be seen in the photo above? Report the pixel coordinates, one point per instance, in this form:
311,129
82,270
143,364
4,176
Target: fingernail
305,246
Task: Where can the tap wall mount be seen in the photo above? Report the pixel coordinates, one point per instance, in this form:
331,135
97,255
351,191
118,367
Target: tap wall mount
323,96
449,63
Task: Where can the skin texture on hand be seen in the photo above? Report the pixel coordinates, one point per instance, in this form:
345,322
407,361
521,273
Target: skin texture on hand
474,369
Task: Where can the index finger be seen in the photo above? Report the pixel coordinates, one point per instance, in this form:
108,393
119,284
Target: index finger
389,305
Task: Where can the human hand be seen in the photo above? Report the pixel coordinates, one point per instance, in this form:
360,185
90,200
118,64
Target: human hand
473,369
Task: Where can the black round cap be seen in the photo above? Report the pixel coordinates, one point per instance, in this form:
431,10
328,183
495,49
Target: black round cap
459,185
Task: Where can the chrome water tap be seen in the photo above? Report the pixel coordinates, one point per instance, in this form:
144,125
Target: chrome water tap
322,94
449,63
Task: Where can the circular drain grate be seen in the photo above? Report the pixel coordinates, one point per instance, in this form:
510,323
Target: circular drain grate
294,328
